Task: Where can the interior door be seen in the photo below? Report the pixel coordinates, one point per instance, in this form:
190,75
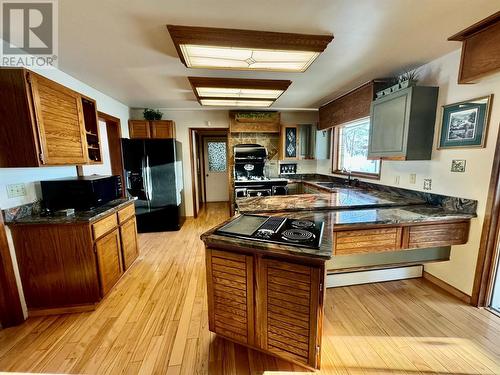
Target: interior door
216,173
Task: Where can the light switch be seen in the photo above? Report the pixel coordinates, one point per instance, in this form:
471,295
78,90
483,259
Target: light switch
413,178
16,190
396,180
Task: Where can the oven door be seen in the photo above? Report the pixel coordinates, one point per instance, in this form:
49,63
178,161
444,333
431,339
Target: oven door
258,192
280,190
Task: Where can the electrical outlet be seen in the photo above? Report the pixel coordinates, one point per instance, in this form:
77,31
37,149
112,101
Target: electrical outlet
396,180
413,178
427,184
16,190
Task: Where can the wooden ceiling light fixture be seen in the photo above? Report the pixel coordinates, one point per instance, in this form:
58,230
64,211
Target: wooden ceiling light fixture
234,49
237,92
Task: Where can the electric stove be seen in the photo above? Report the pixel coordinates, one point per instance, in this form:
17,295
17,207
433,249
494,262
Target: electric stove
280,230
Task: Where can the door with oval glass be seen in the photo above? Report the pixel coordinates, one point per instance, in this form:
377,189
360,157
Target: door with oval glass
216,172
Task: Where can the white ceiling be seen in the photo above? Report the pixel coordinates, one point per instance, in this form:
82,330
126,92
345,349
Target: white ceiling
122,47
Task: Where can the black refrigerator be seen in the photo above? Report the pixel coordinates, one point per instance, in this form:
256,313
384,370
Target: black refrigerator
153,175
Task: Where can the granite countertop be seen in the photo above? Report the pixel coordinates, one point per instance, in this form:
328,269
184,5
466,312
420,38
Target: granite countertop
335,220
339,198
78,217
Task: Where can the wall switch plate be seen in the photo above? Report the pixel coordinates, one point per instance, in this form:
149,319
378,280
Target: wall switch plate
16,190
413,178
427,184
396,180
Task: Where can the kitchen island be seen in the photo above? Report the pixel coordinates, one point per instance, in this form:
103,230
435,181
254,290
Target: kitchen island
269,296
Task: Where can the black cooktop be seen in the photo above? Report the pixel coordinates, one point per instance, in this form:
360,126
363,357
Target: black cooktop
281,230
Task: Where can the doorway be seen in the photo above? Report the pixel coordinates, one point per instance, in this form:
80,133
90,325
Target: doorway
215,157
209,166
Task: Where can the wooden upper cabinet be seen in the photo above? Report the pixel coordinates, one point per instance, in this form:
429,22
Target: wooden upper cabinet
480,49
59,116
46,122
109,260
139,129
160,129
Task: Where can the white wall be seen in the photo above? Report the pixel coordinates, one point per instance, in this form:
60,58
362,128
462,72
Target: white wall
473,184
185,119
28,176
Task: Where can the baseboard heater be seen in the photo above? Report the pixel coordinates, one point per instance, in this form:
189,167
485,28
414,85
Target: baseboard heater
344,270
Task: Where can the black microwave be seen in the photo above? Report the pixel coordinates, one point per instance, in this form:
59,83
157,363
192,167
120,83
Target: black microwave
81,193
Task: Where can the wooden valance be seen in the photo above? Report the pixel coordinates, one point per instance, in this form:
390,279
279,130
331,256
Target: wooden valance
480,49
254,122
351,106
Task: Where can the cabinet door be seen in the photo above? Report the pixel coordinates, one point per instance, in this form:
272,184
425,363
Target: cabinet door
109,260
389,125
128,236
59,119
139,129
230,295
290,142
289,310
162,129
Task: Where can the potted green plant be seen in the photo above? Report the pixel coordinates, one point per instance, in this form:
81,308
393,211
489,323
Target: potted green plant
408,78
152,114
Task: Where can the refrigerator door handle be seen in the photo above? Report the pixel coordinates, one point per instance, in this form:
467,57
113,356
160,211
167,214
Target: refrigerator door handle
144,177
148,173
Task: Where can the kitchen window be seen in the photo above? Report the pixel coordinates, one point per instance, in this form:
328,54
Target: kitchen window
351,150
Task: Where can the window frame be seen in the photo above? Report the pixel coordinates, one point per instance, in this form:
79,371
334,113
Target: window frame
336,153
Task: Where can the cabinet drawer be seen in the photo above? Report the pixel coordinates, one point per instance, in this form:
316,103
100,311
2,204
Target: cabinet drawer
423,236
125,213
104,226
367,241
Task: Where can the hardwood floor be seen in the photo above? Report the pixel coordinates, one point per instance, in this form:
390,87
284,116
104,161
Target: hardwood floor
155,322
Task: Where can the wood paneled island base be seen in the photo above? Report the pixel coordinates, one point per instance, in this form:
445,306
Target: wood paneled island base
270,303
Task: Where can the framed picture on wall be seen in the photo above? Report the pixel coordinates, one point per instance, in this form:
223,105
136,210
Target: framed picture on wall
465,124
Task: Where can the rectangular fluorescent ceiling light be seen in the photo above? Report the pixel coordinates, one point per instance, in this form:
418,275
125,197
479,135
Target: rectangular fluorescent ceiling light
241,92
236,103
234,49
220,92
213,57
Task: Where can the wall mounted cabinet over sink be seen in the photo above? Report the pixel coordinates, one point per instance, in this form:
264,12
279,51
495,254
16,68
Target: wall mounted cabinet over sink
402,124
45,123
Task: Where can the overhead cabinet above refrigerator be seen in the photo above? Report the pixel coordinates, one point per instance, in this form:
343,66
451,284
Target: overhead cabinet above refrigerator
153,175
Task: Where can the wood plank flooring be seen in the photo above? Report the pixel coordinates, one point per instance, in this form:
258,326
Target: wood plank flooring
155,322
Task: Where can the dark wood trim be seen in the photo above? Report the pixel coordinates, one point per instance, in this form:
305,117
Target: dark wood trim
489,236
11,311
335,159
436,281
193,172
478,26
245,39
105,117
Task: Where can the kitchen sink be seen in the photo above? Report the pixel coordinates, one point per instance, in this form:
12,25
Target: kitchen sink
332,185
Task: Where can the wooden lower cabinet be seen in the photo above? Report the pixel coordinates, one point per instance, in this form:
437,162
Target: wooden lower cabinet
394,238
130,249
68,266
109,260
268,304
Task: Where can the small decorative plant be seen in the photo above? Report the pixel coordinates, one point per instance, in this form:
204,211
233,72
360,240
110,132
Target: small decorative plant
408,78
152,114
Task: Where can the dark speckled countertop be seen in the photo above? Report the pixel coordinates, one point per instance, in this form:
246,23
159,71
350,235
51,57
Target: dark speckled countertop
340,220
78,217
334,200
